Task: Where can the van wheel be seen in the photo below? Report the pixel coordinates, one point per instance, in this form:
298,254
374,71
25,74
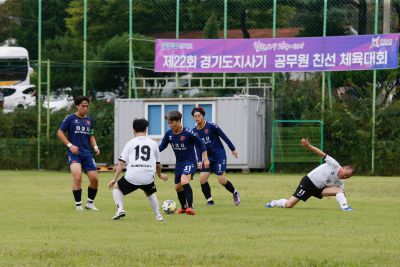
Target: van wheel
20,106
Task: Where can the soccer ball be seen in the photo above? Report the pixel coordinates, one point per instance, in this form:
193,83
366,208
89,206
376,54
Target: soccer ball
169,206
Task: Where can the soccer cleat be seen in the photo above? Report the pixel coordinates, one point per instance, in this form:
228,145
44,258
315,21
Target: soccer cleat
79,208
236,198
159,217
190,211
120,214
348,208
91,206
210,203
180,211
270,204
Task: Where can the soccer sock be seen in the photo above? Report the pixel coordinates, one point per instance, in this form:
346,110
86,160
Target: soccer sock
189,194
281,202
229,187
154,203
91,194
341,199
77,197
118,198
206,191
182,198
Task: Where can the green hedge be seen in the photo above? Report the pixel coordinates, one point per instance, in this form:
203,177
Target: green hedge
18,138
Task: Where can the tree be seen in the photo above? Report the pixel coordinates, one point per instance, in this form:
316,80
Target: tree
211,29
114,76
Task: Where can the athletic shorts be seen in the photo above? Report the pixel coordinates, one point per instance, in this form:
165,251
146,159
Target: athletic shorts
184,169
307,189
127,188
217,166
87,161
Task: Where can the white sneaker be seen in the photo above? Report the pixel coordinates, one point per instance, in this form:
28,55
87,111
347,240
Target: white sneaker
91,206
159,217
79,208
120,214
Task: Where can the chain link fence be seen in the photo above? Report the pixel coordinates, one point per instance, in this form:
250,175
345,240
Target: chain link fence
105,49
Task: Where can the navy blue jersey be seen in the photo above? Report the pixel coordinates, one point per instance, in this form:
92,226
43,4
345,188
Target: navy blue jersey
79,131
183,145
211,135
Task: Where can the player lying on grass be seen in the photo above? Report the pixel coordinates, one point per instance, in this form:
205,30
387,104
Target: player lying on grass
324,181
80,136
183,142
142,157
211,135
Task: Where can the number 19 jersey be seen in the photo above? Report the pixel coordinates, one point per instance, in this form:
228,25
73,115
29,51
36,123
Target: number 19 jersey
141,154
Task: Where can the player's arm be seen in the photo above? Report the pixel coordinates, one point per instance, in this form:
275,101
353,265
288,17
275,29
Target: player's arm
118,170
306,144
93,143
158,164
65,141
198,156
226,140
164,143
200,143
160,175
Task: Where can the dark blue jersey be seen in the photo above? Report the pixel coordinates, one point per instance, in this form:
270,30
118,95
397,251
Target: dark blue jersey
79,131
211,135
183,145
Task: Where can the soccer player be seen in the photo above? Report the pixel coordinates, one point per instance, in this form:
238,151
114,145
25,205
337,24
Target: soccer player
211,135
183,142
80,131
142,158
324,181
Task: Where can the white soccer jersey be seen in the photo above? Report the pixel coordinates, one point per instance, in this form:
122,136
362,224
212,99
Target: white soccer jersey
141,155
326,174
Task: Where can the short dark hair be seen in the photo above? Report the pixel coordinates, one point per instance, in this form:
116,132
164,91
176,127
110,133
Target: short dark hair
174,116
140,125
79,99
199,109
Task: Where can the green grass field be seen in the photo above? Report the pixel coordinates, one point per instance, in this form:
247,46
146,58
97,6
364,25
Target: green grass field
39,226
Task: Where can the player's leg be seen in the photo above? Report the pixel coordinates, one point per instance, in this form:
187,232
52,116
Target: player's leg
283,203
185,181
89,166
339,194
150,191
220,171
205,187
223,180
179,191
92,190
187,175
303,192
76,172
120,189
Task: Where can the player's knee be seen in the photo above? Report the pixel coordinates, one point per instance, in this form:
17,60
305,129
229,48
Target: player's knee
178,187
289,205
222,180
203,179
77,178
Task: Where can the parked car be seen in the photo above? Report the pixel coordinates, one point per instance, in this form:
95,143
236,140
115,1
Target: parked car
58,102
18,96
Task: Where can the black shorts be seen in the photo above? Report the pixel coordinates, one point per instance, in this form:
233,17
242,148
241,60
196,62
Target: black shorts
307,189
126,187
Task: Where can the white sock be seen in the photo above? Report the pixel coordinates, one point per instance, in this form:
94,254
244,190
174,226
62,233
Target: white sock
154,203
118,198
281,202
341,199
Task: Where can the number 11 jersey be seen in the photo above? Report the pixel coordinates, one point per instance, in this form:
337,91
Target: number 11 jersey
141,154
